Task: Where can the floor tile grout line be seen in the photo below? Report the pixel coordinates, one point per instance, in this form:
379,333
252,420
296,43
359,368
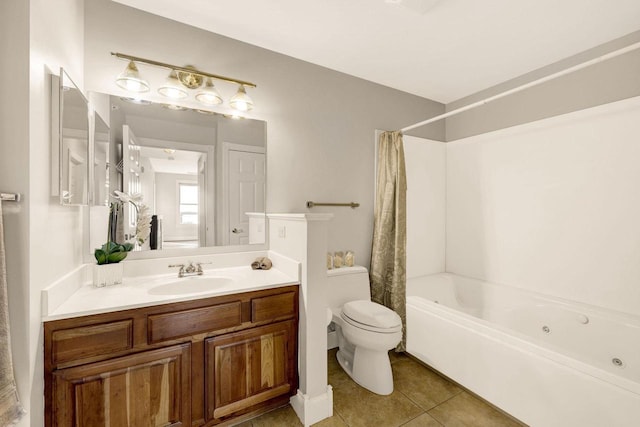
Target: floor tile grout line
336,412
445,401
460,390
411,400
419,415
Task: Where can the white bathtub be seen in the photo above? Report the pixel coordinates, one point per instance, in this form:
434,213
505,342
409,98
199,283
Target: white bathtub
546,361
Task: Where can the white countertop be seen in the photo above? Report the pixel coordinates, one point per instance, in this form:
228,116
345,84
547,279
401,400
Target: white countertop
134,292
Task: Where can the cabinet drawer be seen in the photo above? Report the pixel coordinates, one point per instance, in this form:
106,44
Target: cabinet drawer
273,306
88,341
169,326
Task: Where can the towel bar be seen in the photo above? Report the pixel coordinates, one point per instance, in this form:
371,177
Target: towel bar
10,197
352,205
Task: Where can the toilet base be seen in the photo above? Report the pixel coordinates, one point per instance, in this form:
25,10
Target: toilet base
370,369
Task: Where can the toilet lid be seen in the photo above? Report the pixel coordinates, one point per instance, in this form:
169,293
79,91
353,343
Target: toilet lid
373,315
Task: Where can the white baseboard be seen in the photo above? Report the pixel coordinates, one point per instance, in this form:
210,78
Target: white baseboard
314,409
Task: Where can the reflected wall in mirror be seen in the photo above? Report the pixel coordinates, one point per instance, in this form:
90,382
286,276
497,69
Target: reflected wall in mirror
73,143
201,174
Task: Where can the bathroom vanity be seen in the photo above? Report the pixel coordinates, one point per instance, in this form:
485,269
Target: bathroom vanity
207,361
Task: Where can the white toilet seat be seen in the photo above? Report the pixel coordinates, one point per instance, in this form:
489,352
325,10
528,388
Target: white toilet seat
370,316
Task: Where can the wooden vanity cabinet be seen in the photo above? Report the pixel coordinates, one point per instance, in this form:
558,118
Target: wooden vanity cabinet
211,361
248,368
144,389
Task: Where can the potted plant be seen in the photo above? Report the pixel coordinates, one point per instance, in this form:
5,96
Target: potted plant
109,271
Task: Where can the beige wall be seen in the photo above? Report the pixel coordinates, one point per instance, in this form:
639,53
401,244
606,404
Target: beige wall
14,177
608,81
320,122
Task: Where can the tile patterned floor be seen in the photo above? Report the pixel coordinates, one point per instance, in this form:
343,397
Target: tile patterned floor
421,398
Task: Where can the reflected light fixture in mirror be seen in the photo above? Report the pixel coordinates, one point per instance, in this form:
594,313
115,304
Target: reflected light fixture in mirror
241,101
181,80
138,101
131,81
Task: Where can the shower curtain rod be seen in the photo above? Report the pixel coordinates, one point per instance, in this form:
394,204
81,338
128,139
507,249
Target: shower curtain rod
541,80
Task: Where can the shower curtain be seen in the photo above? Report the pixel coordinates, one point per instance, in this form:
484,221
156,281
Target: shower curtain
388,252
10,408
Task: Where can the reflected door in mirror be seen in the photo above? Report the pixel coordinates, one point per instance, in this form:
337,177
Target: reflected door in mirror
246,177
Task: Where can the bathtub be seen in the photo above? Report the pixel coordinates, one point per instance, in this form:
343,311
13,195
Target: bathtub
546,361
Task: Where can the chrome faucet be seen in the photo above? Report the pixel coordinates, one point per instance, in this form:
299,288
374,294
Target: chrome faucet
190,269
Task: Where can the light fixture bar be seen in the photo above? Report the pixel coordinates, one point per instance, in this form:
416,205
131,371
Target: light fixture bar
183,69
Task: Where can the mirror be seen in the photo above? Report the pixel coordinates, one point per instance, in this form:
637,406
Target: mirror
73,143
201,174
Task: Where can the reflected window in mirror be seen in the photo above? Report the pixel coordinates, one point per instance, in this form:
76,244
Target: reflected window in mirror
188,202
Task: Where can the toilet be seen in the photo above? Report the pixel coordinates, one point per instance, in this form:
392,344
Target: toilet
365,330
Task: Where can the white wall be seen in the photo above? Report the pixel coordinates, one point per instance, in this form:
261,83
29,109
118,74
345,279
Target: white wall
551,206
425,162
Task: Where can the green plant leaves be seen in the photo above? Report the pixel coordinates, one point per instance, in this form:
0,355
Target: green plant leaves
101,256
111,252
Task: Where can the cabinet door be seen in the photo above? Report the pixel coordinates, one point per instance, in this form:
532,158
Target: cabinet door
145,389
248,368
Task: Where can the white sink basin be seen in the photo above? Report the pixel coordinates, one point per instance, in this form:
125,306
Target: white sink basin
191,285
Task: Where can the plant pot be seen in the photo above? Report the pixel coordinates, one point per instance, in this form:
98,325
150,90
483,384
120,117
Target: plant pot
107,274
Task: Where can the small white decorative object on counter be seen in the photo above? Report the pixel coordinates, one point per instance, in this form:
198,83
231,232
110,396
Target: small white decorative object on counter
338,259
329,261
107,274
349,259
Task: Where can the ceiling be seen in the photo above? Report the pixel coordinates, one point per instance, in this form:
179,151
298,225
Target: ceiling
438,49
177,162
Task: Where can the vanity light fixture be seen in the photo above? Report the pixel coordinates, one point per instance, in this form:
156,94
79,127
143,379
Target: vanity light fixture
191,79
172,87
209,95
241,101
181,80
130,79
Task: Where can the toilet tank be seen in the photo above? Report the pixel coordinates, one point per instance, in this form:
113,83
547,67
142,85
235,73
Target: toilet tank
347,284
